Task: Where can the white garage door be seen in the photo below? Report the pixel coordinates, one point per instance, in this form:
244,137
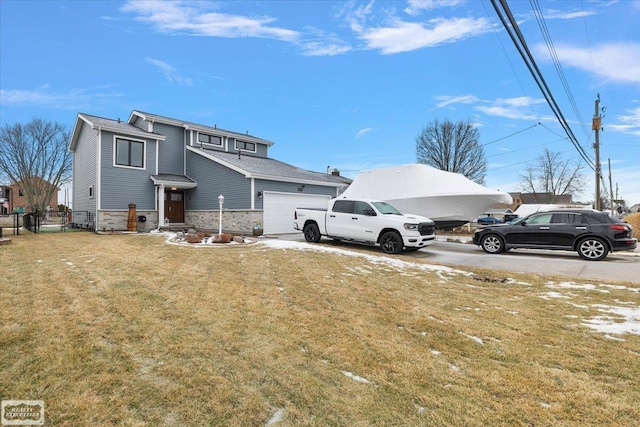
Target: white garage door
279,207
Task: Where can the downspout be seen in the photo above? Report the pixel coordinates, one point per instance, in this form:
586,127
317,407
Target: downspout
98,190
253,192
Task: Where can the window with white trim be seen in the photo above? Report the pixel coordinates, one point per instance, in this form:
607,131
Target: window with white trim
204,138
246,146
129,153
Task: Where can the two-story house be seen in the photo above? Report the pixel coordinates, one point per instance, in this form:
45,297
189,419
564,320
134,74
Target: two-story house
174,171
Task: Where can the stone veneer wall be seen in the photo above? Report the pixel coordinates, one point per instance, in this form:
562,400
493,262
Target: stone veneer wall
117,220
239,221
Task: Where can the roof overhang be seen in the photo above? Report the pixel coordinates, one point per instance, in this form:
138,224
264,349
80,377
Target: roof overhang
177,182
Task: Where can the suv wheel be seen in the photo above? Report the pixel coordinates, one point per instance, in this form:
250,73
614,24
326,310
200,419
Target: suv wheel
592,249
492,244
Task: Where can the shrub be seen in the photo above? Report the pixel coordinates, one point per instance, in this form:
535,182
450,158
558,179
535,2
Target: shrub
634,221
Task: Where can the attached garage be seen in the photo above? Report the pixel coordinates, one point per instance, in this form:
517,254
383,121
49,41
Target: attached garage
278,209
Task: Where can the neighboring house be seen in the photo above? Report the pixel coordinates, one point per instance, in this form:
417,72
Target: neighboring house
12,197
174,171
537,199
4,200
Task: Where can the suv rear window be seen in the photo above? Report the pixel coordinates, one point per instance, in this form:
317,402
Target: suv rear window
598,218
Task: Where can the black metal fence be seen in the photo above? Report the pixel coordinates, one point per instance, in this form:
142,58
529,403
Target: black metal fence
51,221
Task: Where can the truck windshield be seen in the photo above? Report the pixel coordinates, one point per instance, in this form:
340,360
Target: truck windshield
386,208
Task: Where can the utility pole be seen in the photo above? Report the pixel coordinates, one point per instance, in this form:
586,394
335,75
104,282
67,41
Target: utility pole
596,125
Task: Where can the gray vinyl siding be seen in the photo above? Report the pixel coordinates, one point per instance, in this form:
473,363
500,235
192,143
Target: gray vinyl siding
261,149
289,187
140,123
214,180
121,186
84,170
171,150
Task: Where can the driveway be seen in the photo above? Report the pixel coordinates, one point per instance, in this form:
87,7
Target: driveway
617,267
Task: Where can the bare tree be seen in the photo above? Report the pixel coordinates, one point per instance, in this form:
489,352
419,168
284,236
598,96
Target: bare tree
35,155
453,147
551,176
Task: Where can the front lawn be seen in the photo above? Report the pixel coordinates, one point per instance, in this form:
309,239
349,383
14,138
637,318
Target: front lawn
129,330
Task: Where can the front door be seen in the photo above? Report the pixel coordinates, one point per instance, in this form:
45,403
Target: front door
174,206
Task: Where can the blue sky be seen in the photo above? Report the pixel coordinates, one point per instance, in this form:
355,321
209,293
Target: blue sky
346,85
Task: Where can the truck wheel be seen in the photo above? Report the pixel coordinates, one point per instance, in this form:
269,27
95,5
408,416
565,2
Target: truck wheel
311,233
391,243
592,249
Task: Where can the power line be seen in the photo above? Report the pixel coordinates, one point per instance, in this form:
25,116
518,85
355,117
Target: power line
511,64
556,61
509,136
523,49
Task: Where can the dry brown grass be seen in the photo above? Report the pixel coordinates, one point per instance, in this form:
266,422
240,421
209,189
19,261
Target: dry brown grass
127,330
634,221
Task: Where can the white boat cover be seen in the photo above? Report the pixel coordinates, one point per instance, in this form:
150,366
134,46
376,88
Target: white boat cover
425,190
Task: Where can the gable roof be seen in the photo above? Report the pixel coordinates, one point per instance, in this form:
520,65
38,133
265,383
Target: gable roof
270,169
111,125
215,130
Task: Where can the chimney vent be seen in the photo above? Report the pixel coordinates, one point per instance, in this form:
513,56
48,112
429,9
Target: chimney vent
335,172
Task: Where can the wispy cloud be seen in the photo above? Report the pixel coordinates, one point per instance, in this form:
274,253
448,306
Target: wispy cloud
519,108
416,7
615,62
74,99
317,42
445,100
567,15
627,123
199,19
401,36
363,132
170,72
392,35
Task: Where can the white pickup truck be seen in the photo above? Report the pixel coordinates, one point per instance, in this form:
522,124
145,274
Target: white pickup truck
366,221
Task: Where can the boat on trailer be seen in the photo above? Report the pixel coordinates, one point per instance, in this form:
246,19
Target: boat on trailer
449,199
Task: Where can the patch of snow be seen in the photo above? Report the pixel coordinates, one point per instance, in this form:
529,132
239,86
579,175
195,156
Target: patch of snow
629,324
476,339
570,285
550,295
276,418
443,272
436,352
356,377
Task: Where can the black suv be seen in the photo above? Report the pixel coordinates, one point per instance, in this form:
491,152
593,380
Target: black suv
592,234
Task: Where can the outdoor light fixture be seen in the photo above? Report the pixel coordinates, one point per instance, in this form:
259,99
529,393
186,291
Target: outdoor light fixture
260,194
221,201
